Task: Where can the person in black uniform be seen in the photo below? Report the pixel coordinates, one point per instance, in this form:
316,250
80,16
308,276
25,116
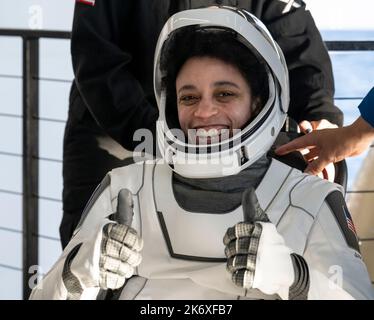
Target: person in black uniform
112,47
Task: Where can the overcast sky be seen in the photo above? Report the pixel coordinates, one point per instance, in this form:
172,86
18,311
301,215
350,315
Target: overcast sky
342,14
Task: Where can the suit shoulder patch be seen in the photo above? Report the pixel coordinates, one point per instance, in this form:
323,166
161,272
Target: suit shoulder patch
337,204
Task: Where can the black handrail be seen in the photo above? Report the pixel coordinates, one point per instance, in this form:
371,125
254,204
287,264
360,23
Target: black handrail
350,45
35,34
30,144
30,166
30,39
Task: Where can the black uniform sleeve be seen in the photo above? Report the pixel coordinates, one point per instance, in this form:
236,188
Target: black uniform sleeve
310,70
103,77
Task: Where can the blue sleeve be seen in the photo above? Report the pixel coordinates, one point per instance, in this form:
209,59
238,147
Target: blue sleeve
366,107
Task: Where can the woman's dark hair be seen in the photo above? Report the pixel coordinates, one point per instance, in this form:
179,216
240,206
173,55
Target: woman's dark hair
193,41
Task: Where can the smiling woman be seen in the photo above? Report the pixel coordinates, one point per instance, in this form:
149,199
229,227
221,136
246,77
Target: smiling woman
204,75
216,89
207,106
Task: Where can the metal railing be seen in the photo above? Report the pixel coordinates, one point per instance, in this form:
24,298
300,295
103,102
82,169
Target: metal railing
30,143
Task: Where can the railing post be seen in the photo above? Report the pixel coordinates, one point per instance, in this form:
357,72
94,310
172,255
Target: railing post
30,156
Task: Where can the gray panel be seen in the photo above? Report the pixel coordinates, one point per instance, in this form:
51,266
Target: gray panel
49,252
50,179
11,284
10,211
54,99
50,215
10,134
11,248
11,96
50,139
10,56
10,173
55,59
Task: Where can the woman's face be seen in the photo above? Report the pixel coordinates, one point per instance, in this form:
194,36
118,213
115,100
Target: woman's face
213,99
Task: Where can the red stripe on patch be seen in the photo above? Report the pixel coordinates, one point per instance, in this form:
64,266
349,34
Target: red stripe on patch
89,2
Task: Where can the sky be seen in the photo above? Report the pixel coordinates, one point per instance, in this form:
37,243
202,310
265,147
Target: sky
342,14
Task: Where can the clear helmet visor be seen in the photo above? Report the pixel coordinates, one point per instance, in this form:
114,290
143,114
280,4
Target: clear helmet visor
241,147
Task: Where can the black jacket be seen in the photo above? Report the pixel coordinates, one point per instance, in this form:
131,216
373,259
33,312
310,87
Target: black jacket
113,45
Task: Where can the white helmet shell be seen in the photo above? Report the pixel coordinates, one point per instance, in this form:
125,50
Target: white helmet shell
230,156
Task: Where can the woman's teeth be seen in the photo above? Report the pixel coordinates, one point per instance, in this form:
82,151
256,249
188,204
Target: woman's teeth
207,133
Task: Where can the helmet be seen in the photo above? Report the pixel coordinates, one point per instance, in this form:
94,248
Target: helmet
226,157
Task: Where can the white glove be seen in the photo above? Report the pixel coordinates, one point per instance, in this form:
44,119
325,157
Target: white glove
257,256
119,255
107,258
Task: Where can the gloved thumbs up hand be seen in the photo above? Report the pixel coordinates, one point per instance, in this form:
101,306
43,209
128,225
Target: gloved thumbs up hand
257,256
120,246
242,241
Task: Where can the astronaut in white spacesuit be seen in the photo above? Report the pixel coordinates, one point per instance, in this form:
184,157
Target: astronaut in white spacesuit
215,217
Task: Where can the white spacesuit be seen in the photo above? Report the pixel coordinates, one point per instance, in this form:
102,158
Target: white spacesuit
295,241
